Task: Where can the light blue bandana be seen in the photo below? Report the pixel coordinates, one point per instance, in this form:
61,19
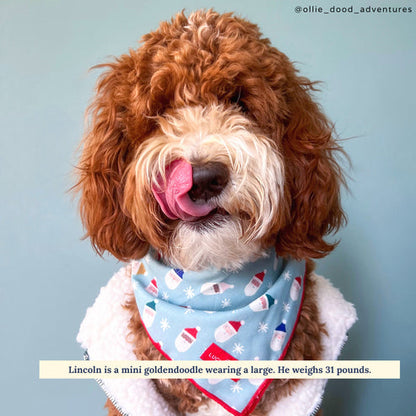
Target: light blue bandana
216,315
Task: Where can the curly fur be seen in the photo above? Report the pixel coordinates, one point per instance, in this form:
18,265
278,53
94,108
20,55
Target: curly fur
210,87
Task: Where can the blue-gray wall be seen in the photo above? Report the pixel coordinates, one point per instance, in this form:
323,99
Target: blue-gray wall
49,276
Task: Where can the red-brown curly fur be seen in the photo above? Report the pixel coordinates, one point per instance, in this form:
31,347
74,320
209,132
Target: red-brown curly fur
230,63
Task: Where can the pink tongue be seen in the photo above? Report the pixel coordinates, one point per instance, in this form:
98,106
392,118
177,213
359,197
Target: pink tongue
172,195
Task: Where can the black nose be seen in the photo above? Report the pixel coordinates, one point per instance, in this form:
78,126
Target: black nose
208,180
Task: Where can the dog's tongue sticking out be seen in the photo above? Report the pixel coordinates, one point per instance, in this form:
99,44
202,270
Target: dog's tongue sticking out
172,194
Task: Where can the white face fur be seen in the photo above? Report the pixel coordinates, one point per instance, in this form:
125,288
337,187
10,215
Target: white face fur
249,203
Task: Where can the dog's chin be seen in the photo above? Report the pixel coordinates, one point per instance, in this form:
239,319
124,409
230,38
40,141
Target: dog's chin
215,240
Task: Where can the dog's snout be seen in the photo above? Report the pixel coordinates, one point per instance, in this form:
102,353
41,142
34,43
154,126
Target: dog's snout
208,180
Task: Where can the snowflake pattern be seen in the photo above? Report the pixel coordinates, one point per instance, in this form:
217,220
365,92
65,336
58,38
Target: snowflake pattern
236,387
189,292
238,348
263,327
227,306
164,324
188,310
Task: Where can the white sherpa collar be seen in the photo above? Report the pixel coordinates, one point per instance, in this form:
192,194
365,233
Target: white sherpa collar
104,330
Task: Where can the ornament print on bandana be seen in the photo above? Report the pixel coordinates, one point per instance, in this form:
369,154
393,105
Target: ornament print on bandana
219,315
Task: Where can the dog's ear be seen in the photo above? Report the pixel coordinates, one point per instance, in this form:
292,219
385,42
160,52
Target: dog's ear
106,153
313,175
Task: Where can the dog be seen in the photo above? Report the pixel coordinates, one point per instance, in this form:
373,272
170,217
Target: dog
206,146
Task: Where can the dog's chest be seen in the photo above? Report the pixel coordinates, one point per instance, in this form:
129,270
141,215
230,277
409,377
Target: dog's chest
104,332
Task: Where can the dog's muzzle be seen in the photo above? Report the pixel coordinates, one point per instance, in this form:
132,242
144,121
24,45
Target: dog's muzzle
188,192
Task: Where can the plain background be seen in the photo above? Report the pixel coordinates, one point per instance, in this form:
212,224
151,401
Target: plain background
49,277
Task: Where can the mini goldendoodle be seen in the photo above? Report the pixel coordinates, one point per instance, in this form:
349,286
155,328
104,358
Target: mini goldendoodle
207,158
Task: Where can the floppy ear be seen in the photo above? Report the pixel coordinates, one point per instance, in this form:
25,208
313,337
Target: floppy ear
313,175
106,153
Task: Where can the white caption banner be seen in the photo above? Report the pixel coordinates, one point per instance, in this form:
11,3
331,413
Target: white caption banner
219,369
